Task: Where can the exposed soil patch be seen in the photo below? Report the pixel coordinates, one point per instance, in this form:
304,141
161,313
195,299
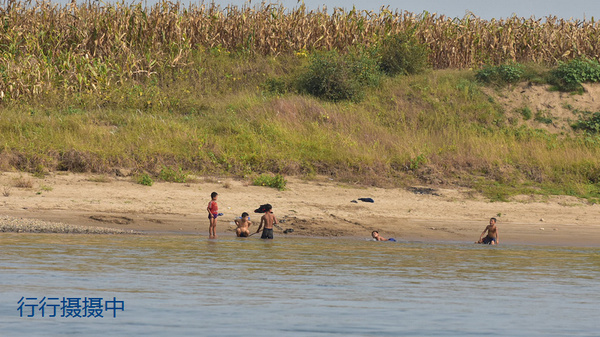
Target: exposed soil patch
553,111
119,220
424,190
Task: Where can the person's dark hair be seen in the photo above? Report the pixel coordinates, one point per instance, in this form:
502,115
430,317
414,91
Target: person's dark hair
213,195
494,219
374,232
245,214
268,207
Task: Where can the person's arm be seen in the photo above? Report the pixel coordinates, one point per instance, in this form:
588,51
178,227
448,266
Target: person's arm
208,207
274,220
237,222
482,234
497,236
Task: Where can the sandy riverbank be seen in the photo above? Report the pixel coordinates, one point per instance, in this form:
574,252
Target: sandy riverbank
311,208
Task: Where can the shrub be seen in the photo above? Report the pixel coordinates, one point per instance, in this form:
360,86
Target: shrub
171,175
23,182
402,54
535,73
542,118
416,162
364,66
500,75
277,181
487,74
568,76
336,77
526,113
274,86
144,179
590,124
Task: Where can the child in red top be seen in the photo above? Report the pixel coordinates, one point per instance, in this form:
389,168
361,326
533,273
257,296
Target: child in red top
213,212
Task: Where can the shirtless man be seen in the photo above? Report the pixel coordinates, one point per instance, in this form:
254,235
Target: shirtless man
243,226
377,237
492,234
268,219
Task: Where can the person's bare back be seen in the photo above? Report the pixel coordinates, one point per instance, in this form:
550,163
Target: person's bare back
267,220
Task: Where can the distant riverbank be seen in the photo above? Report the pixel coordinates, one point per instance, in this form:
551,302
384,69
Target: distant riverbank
318,208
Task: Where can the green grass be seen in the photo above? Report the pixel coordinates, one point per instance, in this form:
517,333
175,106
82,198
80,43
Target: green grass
526,113
144,179
566,76
438,127
542,117
171,175
277,181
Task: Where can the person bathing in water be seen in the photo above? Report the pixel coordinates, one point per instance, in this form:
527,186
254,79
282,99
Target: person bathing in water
243,226
377,237
492,234
268,220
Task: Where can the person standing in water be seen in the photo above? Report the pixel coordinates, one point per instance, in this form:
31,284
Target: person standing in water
268,220
213,213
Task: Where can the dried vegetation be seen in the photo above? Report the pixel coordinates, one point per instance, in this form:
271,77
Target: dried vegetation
91,46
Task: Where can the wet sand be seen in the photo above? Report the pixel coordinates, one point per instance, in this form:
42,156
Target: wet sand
317,208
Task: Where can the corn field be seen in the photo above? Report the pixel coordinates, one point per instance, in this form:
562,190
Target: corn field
92,46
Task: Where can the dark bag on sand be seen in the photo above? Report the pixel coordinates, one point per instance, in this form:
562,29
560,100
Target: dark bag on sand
263,208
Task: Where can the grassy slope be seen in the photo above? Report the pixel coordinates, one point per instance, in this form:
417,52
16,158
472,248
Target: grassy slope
213,118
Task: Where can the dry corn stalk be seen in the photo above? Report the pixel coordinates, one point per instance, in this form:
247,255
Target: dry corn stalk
91,46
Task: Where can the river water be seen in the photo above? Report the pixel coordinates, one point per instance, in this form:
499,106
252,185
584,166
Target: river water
159,285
